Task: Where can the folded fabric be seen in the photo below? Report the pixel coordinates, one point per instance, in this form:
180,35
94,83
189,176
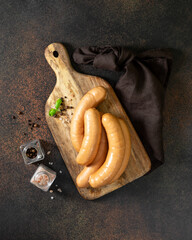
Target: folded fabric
140,88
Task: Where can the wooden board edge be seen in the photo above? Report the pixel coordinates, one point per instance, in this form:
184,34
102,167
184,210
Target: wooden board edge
91,198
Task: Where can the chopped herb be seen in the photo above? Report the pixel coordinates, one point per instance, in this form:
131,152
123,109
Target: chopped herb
58,103
52,112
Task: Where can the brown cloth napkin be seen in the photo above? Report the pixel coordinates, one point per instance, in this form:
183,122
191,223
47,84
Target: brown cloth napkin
140,89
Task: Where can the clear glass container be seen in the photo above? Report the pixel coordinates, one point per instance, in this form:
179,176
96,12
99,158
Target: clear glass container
32,152
43,177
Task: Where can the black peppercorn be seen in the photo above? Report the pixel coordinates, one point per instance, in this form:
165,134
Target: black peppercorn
31,152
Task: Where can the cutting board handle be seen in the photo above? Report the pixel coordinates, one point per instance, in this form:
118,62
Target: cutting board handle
58,58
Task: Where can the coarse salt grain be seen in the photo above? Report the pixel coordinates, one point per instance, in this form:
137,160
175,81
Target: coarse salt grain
60,171
59,190
50,163
52,197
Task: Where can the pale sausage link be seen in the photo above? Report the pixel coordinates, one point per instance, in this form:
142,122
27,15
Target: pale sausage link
127,153
92,137
115,155
90,99
83,178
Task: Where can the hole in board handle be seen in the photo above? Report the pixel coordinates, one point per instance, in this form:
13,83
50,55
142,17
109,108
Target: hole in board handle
55,54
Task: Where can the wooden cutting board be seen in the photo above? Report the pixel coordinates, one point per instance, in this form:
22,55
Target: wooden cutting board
72,85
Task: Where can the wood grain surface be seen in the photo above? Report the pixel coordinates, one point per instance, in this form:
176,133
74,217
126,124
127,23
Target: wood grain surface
72,86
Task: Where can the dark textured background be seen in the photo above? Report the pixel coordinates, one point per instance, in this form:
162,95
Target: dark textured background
157,206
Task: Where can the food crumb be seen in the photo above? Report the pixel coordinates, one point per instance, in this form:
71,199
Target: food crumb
48,152
59,190
56,185
51,191
50,163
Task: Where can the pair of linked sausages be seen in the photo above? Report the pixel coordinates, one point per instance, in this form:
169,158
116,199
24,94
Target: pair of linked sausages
101,140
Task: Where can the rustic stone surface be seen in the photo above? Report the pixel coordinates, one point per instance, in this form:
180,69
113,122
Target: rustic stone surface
157,206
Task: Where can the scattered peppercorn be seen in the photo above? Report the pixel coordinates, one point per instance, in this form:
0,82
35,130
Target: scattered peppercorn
13,117
39,119
20,113
29,120
35,125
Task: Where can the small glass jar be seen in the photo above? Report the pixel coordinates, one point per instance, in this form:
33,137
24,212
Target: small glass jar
32,152
43,177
